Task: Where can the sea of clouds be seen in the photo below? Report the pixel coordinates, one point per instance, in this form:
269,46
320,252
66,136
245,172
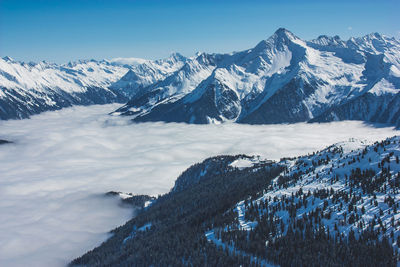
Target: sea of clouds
54,175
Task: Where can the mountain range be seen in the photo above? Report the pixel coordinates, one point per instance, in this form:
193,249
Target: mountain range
31,88
283,79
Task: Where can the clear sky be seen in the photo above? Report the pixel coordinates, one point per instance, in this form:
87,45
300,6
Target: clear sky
62,31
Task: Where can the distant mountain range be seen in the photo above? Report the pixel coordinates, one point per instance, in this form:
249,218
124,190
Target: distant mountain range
334,207
281,80
31,88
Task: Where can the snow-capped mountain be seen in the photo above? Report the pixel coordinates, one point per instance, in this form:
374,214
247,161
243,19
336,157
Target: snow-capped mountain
143,73
30,88
281,79
334,207
173,87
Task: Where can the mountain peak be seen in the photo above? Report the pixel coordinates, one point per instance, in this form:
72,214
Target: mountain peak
326,40
283,35
8,59
280,37
336,37
177,55
282,32
376,35
130,76
371,37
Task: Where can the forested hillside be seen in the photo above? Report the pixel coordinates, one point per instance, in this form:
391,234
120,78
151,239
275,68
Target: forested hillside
335,207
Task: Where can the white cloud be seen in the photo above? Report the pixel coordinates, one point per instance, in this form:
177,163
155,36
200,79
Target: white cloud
350,28
52,177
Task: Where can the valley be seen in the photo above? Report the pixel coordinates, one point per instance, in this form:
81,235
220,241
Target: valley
61,163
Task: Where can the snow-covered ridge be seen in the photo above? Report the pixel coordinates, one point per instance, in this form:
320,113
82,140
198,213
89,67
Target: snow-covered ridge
70,77
353,184
282,79
29,88
75,76
338,206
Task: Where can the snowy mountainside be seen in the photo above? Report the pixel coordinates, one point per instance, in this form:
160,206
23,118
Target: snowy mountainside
70,77
143,73
349,191
30,88
281,79
172,88
338,206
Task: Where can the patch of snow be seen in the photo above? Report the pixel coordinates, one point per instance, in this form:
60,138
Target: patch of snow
243,163
145,227
384,87
124,195
148,203
243,224
395,71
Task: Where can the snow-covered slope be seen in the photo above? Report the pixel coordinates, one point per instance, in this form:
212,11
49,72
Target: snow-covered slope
30,88
144,73
71,77
334,207
172,88
348,190
281,79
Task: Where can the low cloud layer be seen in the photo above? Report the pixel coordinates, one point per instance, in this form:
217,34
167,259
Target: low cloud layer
54,174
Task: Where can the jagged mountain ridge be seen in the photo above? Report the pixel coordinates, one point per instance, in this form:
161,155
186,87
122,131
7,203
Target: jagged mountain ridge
334,207
30,88
282,79
147,73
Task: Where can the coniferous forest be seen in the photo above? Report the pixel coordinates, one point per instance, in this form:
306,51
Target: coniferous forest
335,207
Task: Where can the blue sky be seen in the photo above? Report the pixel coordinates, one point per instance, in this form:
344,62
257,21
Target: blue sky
62,31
